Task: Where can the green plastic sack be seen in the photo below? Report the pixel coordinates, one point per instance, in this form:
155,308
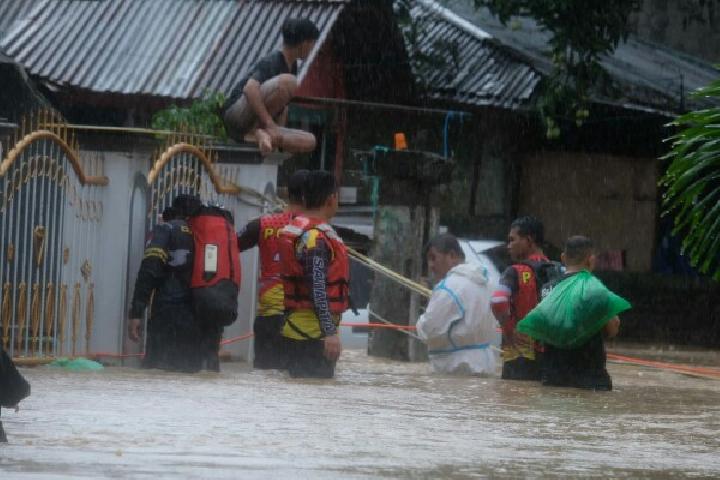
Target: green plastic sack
76,364
575,310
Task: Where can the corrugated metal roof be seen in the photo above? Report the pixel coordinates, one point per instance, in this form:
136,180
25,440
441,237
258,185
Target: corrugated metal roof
647,75
10,11
485,74
169,48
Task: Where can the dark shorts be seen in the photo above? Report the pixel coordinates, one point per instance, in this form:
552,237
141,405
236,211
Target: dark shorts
306,359
269,343
523,368
582,367
240,118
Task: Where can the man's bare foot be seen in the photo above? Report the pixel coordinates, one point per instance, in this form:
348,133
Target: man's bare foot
276,135
264,141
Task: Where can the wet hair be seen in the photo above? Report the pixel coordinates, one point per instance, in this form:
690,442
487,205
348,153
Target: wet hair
169,214
295,186
577,249
445,243
186,205
319,185
298,30
529,226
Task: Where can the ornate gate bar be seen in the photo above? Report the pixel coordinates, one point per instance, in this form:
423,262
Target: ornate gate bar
50,211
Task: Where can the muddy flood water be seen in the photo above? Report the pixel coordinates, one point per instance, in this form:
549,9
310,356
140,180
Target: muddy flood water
377,419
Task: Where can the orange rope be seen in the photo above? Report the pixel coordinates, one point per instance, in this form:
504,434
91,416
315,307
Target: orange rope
675,367
237,339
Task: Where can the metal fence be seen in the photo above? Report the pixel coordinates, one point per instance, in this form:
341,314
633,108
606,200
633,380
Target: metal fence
50,209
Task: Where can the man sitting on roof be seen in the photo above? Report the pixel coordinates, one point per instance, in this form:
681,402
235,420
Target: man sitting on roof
257,108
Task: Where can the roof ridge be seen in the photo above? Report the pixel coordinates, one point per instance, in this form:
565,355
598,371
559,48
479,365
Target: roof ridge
455,19
687,57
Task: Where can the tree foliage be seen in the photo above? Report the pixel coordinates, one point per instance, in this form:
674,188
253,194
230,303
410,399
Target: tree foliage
582,31
692,184
201,117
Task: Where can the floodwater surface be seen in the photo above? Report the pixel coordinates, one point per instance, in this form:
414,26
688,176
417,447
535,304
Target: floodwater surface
377,419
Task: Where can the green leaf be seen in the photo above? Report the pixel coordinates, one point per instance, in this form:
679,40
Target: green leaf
692,184
202,117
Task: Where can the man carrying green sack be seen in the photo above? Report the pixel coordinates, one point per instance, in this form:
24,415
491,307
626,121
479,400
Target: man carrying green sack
577,311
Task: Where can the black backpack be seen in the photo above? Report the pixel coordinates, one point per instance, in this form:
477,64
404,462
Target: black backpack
547,274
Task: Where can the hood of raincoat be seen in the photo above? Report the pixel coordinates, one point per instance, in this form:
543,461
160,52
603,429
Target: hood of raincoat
475,273
458,316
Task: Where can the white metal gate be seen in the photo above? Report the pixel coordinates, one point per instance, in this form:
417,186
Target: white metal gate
187,166
50,209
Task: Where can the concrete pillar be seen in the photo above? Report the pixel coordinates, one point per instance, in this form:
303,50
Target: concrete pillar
406,218
400,234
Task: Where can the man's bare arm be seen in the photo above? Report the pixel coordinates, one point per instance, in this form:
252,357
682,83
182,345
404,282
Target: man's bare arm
613,327
254,98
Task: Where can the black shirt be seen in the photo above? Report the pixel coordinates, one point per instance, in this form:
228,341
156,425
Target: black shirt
265,69
165,268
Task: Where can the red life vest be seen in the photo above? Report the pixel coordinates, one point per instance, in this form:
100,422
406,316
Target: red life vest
268,243
216,266
527,296
298,294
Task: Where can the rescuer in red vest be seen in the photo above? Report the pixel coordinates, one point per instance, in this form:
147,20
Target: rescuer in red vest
263,233
518,293
315,272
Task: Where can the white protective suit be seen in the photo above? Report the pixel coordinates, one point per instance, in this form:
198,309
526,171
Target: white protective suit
458,325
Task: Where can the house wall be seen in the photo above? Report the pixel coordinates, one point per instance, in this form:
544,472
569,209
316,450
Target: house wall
121,238
326,76
612,199
111,291
326,79
256,177
480,201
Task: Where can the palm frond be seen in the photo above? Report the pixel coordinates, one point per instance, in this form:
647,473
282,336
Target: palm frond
692,183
